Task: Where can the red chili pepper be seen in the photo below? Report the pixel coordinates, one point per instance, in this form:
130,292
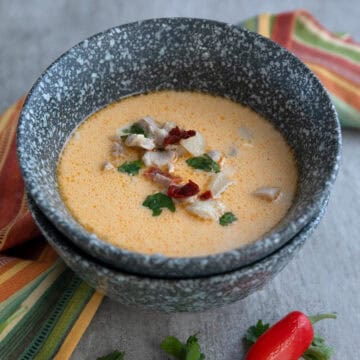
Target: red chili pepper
205,195
288,339
181,192
176,134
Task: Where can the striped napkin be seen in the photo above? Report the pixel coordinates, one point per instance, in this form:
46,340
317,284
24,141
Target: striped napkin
44,307
334,58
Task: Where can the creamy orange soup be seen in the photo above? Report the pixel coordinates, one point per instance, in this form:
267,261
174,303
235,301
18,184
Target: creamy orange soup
251,154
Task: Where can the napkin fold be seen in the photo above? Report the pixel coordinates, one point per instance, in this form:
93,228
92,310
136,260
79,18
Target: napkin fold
44,307
333,57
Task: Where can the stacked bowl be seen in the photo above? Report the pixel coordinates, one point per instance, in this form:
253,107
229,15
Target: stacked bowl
178,54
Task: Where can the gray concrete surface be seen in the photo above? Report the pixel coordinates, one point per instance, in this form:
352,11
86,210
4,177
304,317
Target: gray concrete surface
325,276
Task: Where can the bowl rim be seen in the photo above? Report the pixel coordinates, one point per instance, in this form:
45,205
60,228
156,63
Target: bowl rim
265,245
42,221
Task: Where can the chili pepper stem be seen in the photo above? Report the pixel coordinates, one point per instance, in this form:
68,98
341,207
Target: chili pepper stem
315,318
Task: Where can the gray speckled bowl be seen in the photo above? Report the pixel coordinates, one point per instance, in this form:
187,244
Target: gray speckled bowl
161,294
189,54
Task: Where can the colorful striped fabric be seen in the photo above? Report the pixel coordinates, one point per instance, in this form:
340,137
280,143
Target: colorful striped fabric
44,307
334,58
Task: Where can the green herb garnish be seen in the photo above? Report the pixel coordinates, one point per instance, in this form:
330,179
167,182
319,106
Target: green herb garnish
130,167
204,162
157,202
318,350
135,129
254,332
188,351
116,355
227,219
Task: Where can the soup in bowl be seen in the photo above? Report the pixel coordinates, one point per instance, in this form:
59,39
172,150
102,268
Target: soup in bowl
249,137
145,184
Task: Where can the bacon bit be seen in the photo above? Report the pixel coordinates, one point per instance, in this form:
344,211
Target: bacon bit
205,195
176,134
180,192
155,173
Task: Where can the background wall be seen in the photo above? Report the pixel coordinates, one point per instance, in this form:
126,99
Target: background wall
325,276
35,32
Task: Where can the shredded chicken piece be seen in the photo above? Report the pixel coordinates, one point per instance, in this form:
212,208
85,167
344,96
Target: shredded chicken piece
233,151
268,193
180,150
141,141
117,149
169,125
148,124
210,209
218,184
187,201
108,166
171,167
195,145
159,158
162,177
154,130
227,169
162,180
215,155
246,136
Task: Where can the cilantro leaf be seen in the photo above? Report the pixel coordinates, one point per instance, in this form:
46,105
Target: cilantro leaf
130,167
135,129
227,219
116,355
254,332
204,162
188,351
173,346
193,351
157,202
318,350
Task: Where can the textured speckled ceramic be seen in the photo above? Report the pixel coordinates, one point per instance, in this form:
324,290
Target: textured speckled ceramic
189,54
161,294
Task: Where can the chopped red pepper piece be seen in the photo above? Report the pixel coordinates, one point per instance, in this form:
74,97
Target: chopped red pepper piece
176,134
181,192
205,195
153,171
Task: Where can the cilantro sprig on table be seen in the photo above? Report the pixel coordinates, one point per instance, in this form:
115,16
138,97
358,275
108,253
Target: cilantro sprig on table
172,346
131,167
318,350
159,201
255,331
190,350
204,162
183,351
